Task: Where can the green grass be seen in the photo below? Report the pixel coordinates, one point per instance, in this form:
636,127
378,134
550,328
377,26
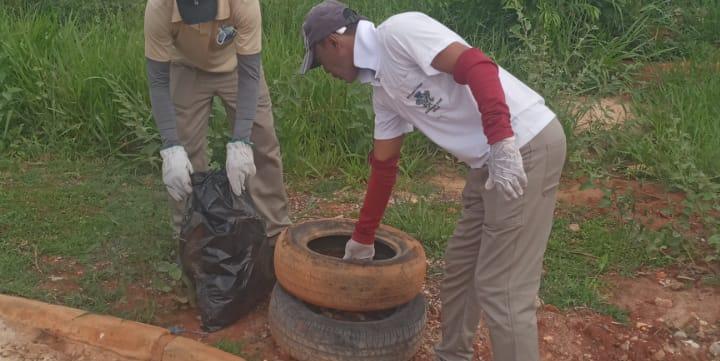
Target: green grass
238,348
83,89
575,262
431,223
75,83
673,139
72,84
230,346
700,20
112,222
677,135
73,88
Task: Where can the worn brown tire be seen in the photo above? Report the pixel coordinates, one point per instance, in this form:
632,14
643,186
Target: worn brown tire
310,336
330,282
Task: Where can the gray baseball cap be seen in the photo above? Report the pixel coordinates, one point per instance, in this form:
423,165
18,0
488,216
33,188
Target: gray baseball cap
322,20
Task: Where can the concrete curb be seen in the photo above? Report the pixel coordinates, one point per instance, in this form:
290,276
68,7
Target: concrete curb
126,338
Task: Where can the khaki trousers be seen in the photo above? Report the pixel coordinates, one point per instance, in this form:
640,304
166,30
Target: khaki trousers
493,261
192,91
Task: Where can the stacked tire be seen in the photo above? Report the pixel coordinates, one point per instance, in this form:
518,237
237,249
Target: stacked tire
327,309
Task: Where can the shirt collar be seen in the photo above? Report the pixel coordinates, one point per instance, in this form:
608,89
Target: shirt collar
366,52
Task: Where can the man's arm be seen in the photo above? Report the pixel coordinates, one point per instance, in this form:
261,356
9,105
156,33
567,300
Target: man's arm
176,167
240,162
469,66
384,167
163,110
248,46
445,60
249,67
158,42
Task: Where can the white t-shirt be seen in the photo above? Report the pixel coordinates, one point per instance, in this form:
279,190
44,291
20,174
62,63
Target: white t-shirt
409,93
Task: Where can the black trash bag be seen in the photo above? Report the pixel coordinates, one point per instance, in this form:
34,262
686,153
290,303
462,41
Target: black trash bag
224,251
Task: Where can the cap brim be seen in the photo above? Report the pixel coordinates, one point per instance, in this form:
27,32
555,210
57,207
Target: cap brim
308,62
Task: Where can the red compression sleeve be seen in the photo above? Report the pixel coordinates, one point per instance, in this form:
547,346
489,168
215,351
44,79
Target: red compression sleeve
475,69
383,175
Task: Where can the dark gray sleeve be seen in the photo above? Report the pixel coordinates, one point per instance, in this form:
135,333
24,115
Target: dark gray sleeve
163,110
247,95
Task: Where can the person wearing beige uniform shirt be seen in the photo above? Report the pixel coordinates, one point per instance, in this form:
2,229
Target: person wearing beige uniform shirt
196,50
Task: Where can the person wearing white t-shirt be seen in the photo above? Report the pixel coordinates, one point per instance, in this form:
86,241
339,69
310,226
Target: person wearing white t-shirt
426,77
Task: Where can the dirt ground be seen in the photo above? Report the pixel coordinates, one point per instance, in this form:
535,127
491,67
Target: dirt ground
24,344
605,112
667,322
672,314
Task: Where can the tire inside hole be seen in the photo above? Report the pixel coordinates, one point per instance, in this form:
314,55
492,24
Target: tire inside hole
334,246
351,316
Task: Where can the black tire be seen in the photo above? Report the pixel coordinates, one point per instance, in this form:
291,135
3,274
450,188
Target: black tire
307,335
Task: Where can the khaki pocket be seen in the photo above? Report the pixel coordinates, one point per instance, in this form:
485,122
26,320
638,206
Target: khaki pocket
500,212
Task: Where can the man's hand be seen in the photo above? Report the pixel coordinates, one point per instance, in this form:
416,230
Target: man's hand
506,169
239,165
358,251
176,171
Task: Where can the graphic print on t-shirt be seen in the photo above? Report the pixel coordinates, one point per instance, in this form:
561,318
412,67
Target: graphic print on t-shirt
425,99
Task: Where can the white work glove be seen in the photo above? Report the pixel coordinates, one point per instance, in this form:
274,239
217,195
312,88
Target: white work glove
505,167
176,170
357,251
239,165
